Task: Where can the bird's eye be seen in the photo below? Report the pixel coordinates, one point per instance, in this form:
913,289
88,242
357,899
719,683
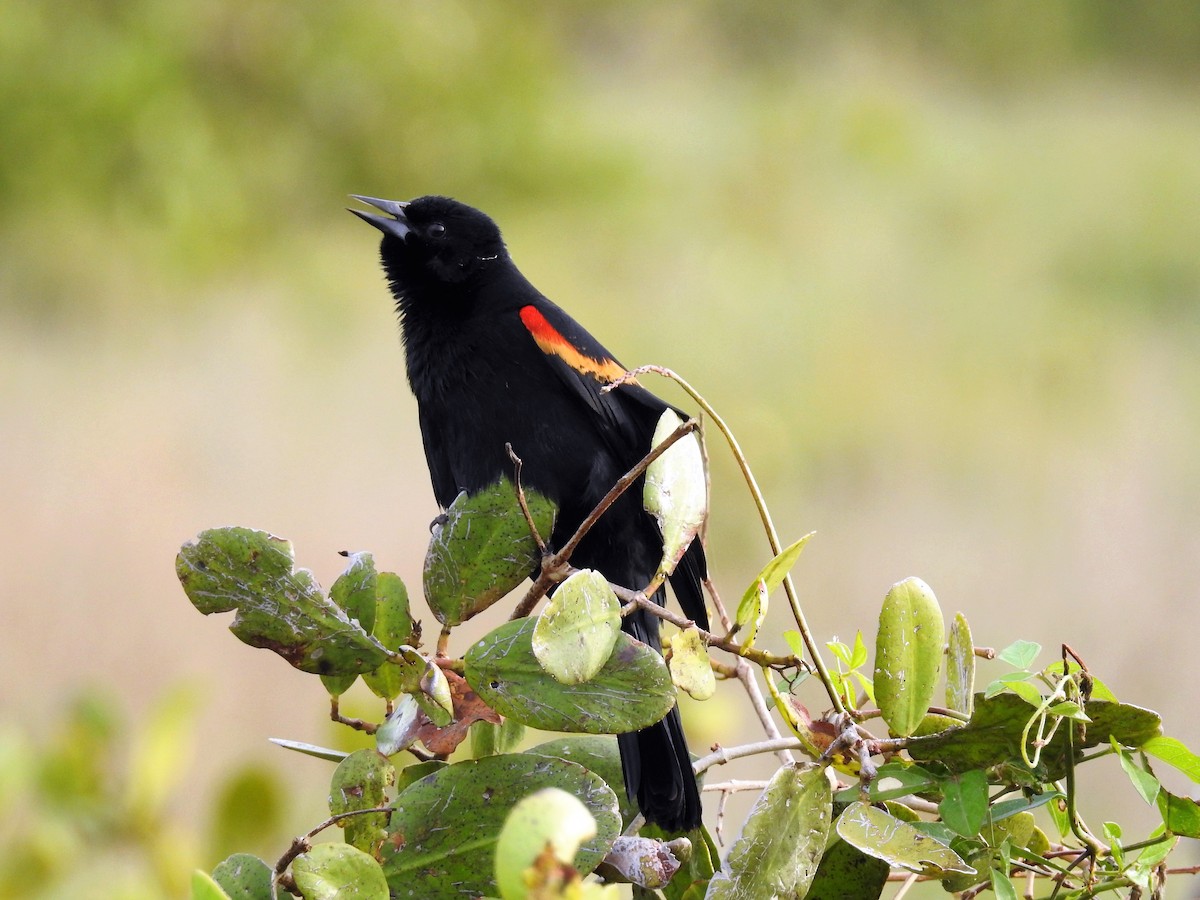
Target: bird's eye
437,229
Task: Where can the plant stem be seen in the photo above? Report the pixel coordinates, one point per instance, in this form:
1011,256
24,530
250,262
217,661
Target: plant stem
763,513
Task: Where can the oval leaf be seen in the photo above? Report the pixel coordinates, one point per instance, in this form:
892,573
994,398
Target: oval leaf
549,819
960,667
994,734
1175,753
690,669
279,607
361,781
633,690
429,852
597,753
908,654
339,872
205,887
244,876
575,634
897,843
676,491
393,628
354,593
783,838
483,550
752,609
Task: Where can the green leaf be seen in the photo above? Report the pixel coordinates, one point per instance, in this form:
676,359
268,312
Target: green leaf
1019,829
993,736
338,872
415,772
632,691
1017,805
908,654
752,612
576,632
393,628
205,888
676,491
893,779
1174,753
795,643
752,609
1002,885
549,818
599,754
361,782
1143,782
1141,872
311,749
279,608
1181,815
859,656
354,593
690,669
1020,654
1018,683
1068,709
964,803
846,873
488,739
897,843
483,550
354,590
432,853
244,876
783,838
960,667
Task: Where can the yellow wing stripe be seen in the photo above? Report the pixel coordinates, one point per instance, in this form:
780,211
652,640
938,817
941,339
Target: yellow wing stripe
551,341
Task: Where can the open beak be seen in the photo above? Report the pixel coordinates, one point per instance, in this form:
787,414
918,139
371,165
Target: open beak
397,226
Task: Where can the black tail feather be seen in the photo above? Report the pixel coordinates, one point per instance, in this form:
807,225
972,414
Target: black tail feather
655,760
658,773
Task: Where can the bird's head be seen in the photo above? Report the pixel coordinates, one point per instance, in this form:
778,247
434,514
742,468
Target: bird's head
432,241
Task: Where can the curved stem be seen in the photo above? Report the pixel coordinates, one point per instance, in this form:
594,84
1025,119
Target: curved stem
763,513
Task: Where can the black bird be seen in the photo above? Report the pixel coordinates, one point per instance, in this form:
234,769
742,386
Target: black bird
492,361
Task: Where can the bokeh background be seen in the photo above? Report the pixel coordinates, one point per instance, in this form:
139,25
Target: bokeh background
936,263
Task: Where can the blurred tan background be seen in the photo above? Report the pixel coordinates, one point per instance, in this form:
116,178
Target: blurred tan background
937,264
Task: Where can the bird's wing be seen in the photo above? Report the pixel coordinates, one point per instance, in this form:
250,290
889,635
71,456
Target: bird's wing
445,488
585,366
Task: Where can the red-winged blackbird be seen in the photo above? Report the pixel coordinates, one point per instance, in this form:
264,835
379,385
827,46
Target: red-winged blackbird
492,361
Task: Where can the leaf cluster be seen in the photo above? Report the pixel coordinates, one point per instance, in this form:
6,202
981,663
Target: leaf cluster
972,788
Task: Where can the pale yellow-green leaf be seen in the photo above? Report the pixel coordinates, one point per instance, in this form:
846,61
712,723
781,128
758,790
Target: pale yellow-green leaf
575,634
547,819
690,668
676,491
908,654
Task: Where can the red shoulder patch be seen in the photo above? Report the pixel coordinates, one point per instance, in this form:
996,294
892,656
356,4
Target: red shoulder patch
552,342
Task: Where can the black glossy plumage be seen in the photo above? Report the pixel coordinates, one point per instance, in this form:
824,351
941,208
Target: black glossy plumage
491,361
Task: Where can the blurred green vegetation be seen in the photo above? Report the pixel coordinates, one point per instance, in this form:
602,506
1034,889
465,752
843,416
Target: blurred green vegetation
936,261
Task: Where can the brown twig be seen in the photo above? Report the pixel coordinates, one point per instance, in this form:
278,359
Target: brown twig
554,565
357,724
302,844
533,529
